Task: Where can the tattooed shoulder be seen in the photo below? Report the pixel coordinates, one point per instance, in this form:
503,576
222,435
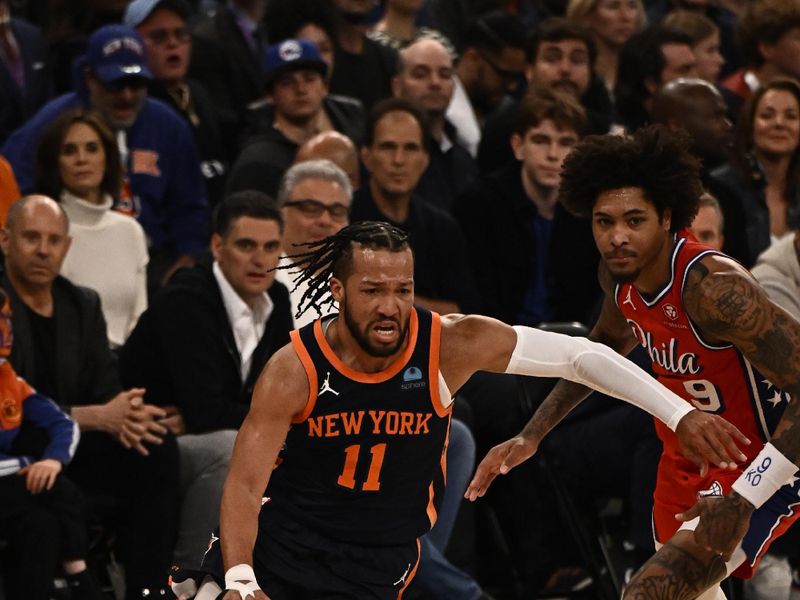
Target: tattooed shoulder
724,302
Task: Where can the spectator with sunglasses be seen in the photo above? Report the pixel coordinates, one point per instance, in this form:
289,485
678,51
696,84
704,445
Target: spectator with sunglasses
168,48
492,65
162,184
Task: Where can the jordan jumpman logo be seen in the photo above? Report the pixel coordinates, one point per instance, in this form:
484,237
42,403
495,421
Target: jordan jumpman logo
326,386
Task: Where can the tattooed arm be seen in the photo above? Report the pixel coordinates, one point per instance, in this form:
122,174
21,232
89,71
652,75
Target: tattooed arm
728,305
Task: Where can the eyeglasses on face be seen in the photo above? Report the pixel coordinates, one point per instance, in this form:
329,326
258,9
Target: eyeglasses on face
314,208
161,36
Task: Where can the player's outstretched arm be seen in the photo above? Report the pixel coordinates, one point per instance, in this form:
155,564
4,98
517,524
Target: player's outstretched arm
587,365
729,306
280,393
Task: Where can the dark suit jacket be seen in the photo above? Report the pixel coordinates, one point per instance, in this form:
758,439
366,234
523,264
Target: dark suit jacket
16,106
183,351
224,63
86,371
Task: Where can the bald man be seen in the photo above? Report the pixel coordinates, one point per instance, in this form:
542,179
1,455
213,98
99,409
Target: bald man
61,348
425,76
697,107
335,147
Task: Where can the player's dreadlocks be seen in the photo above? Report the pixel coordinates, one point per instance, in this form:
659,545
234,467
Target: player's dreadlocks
333,256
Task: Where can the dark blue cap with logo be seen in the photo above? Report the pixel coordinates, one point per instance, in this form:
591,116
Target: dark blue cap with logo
291,55
116,52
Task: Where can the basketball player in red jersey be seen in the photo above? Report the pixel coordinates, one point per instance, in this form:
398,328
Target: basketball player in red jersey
354,413
713,337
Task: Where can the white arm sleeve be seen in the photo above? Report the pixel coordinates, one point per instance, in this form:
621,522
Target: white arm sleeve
546,354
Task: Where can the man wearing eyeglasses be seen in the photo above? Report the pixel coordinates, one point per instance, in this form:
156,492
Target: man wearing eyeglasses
315,197
492,65
168,48
163,184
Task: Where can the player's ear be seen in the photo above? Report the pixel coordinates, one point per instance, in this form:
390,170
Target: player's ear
666,219
337,289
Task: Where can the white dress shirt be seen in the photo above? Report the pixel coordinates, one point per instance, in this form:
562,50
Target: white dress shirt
462,116
248,324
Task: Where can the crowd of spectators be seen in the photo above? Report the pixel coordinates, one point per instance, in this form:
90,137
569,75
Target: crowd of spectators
159,159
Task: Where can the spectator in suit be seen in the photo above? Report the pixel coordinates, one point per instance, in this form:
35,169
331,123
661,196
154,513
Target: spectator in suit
25,83
61,349
227,49
162,183
492,65
199,348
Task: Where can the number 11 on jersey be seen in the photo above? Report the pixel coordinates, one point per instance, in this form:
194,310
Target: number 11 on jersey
351,455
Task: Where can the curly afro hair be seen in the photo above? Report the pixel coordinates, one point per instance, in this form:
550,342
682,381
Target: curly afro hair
655,159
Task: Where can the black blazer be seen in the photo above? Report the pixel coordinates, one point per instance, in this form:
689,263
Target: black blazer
183,351
16,106
86,371
225,64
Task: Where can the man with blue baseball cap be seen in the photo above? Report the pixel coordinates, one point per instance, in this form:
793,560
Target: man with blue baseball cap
164,186
297,107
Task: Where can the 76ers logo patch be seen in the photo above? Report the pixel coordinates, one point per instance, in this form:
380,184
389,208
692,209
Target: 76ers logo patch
671,312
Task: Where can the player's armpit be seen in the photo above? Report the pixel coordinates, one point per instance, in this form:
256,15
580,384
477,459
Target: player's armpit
728,305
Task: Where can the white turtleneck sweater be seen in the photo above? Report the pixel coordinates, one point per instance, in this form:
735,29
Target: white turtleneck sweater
109,255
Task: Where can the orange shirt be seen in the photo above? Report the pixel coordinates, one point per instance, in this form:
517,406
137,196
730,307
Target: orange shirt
9,190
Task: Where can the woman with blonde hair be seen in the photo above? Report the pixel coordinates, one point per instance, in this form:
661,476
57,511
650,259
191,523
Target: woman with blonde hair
611,22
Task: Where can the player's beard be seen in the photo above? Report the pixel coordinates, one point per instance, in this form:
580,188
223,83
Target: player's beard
625,277
362,337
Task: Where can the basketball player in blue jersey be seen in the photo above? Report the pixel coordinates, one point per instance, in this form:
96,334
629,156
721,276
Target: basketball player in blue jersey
348,425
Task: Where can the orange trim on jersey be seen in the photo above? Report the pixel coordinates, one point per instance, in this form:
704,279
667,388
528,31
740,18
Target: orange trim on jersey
443,461
381,376
311,374
411,574
431,509
433,367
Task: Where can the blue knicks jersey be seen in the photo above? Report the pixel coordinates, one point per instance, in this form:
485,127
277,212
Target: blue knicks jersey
365,461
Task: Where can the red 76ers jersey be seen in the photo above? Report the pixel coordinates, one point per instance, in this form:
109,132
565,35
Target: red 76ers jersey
714,378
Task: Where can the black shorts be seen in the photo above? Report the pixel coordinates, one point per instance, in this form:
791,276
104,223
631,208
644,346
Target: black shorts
293,562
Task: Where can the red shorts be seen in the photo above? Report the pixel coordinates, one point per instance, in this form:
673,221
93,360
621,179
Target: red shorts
676,491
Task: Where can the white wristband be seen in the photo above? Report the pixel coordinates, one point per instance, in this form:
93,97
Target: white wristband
769,472
242,579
